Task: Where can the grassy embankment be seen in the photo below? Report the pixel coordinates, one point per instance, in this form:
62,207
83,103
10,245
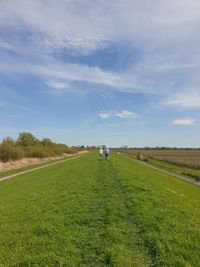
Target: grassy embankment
32,166
91,213
190,173
193,174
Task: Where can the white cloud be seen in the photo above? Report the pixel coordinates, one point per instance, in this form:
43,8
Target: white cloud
57,85
55,25
104,115
167,40
59,74
90,25
187,99
184,121
7,46
124,114
171,66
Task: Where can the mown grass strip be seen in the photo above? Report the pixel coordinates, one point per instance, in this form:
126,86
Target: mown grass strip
70,214
166,212
162,170
12,173
186,171
88,212
17,170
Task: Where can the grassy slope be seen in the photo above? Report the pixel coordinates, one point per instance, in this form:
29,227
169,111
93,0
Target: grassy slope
31,166
166,212
190,173
186,171
91,213
73,214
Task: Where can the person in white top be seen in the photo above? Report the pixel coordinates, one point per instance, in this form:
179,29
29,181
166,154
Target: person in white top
100,153
107,151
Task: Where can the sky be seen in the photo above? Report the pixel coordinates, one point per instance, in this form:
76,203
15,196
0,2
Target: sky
97,72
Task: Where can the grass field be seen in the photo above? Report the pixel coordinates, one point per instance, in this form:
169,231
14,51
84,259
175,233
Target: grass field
29,167
17,170
185,162
87,212
191,173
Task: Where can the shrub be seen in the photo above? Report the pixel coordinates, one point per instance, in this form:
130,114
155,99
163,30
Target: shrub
27,139
35,152
139,156
28,145
9,150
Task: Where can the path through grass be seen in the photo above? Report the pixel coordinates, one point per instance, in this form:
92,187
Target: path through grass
87,212
71,214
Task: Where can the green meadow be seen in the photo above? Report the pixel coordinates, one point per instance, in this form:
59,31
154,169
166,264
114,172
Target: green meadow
86,212
186,171
30,167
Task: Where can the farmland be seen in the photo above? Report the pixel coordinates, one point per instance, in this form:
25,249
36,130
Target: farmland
185,162
88,212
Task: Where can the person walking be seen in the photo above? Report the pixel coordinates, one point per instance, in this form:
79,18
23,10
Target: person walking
107,151
100,153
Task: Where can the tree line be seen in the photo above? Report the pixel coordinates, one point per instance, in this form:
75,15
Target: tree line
27,145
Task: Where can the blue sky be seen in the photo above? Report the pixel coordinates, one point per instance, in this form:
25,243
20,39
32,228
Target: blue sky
101,72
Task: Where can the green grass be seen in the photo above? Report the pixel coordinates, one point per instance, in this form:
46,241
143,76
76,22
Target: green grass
174,168
166,212
32,166
87,212
190,173
71,214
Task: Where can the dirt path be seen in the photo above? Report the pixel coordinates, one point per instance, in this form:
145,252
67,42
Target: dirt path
26,162
181,177
36,168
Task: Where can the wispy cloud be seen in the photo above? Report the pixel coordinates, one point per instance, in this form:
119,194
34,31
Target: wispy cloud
184,121
81,48
53,25
124,114
172,66
58,74
84,27
104,115
164,57
57,85
187,99
7,46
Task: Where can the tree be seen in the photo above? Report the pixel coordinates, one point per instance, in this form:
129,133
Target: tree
46,142
26,139
9,150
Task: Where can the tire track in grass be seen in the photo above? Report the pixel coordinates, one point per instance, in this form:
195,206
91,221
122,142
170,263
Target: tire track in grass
119,243
167,223
75,214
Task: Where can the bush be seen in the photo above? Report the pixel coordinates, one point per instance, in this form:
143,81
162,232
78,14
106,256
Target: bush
27,139
35,152
28,145
138,156
10,151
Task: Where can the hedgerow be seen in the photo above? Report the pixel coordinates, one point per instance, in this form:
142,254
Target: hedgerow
27,145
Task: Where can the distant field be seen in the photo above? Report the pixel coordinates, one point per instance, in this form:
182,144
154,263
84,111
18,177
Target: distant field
186,162
87,212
